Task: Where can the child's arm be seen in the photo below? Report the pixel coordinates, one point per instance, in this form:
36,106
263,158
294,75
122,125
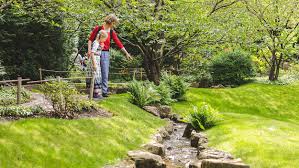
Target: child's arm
93,50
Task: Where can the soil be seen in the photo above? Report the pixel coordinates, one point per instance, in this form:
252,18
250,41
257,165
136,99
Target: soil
38,99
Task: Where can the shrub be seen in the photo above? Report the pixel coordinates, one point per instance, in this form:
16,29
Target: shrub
231,68
165,94
143,93
203,117
176,84
196,69
62,97
20,111
8,95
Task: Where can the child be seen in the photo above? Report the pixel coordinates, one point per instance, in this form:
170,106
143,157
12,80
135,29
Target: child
95,65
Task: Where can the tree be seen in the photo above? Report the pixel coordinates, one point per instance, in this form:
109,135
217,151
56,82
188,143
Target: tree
162,29
270,25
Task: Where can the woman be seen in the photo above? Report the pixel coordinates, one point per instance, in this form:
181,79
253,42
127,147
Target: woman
109,23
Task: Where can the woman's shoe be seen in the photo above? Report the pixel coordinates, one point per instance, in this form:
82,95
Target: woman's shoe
105,95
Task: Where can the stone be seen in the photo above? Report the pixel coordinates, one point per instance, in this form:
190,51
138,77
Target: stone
164,133
195,85
155,148
146,159
169,127
165,111
214,163
195,137
158,138
187,132
153,110
211,153
175,117
195,164
218,86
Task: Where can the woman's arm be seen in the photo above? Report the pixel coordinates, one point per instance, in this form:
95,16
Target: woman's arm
120,45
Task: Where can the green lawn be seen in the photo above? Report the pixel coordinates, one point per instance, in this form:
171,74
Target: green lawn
84,143
260,122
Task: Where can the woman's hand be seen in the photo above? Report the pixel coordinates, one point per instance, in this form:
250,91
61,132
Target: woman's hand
128,56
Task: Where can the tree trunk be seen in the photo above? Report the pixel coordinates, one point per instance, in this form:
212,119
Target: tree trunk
152,69
272,73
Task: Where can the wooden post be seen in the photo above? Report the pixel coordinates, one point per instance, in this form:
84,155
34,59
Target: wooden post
19,90
134,74
91,85
141,74
40,75
61,96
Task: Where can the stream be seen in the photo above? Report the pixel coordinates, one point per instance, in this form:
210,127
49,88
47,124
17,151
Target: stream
178,150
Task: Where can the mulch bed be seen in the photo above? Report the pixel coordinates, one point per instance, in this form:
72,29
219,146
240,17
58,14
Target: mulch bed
101,113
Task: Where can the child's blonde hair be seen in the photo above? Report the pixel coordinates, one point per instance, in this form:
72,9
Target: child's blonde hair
102,35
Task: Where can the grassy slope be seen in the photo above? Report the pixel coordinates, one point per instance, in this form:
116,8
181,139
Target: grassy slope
260,122
80,143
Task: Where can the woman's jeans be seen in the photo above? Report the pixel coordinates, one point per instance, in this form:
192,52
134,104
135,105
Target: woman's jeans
105,70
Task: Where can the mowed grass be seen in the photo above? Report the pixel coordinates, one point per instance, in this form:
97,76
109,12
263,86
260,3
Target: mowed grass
260,122
88,143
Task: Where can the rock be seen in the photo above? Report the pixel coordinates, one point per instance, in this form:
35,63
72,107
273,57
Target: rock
165,111
211,153
175,117
155,148
195,164
195,85
158,138
218,86
169,127
153,110
188,130
195,137
214,163
146,160
164,133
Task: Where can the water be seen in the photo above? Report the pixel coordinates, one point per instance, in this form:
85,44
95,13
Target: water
178,148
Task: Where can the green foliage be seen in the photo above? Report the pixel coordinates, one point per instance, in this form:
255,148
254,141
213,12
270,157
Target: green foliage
143,93
63,98
165,94
203,117
176,84
287,77
231,68
256,119
197,70
8,95
20,111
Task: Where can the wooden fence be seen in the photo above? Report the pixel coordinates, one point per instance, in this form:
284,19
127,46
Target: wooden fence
19,82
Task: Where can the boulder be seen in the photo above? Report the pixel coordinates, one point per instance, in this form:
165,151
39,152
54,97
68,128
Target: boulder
196,138
214,163
165,111
164,133
218,86
158,138
169,127
155,148
187,132
153,110
146,159
211,153
195,164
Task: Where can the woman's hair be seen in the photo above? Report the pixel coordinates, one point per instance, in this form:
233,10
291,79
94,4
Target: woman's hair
111,19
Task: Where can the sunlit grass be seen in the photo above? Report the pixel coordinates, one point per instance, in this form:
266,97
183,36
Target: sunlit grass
76,143
260,123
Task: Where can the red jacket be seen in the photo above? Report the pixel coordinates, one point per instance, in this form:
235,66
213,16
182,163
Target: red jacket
107,42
